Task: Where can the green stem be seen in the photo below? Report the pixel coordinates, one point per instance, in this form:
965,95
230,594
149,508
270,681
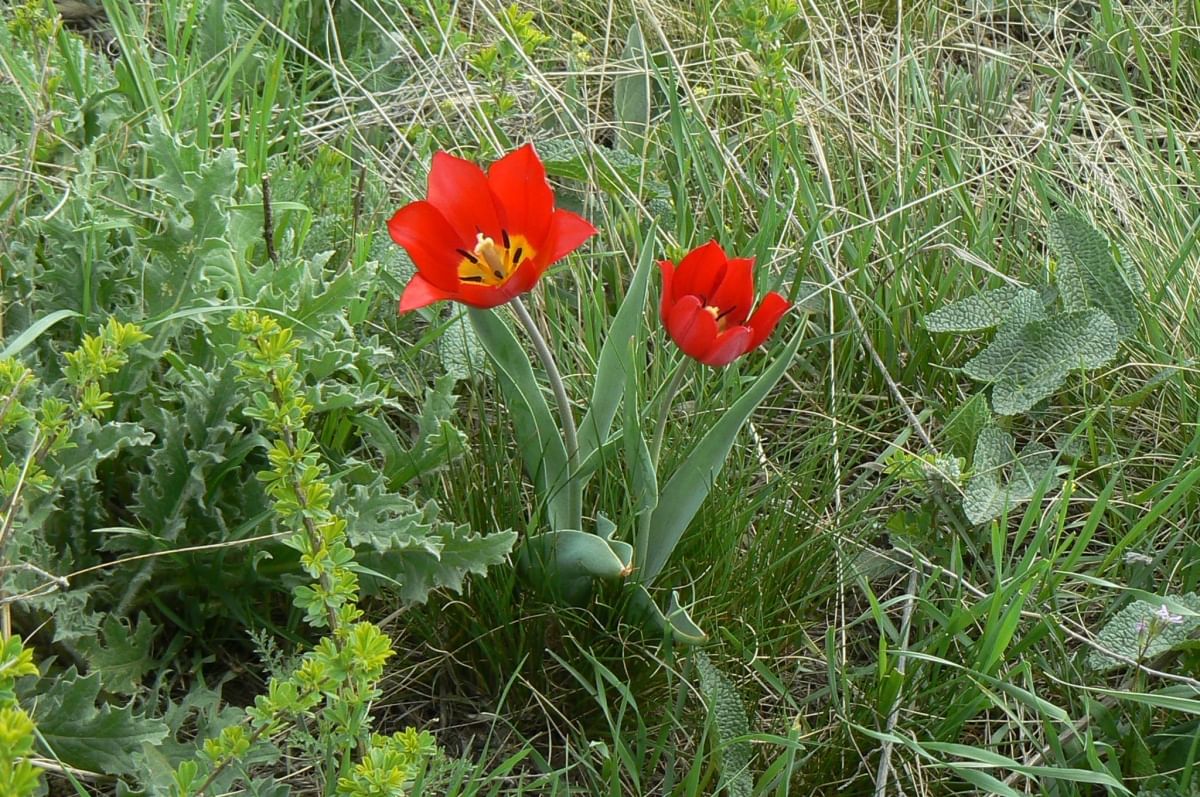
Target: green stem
664,408
570,434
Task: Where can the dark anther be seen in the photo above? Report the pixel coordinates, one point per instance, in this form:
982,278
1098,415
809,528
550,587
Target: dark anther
727,312
467,255
504,235
471,279
517,256
499,274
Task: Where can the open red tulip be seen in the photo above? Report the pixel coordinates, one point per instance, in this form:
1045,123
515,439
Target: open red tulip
706,302
483,239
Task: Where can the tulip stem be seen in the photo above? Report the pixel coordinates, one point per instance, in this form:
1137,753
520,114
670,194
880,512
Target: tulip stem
664,409
570,435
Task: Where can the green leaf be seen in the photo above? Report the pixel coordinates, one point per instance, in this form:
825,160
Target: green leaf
99,738
1028,365
565,563
439,442
628,324
631,91
675,621
616,171
124,655
27,336
727,714
681,497
459,349
195,254
1121,633
412,548
964,426
979,312
538,437
643,475
1001,479
1087,275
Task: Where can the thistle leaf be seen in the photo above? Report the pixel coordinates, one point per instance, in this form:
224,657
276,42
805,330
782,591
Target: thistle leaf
80,733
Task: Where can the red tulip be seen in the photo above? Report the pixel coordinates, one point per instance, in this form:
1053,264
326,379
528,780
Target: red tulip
706,302
483,239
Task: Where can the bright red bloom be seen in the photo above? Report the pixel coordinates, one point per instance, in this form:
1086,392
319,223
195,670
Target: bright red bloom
706,302
482,239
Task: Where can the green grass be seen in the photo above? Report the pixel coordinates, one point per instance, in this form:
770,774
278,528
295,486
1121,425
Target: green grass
897,157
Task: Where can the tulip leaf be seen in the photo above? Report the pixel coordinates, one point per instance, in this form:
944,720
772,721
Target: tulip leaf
642,470
614,359
538,436
566,563
687,488
631,92
676,621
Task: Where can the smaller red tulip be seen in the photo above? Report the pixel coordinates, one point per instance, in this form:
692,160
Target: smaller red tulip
706,302
483,239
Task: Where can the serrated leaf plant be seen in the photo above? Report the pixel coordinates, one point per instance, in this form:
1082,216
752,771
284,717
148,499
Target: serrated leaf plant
484,240
321,708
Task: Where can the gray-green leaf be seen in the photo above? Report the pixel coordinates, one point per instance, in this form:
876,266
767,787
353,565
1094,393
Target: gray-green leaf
728,716
979,312
1087,275
1123,635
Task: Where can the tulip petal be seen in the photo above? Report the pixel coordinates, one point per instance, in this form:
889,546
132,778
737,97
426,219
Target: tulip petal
766,317
667,268
429,239
420,292
523,279
484,296
701,271
735,294
692,328
521,193
459,189
729,345
566,232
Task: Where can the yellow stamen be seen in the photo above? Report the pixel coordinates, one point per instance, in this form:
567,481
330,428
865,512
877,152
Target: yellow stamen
715,312
491,263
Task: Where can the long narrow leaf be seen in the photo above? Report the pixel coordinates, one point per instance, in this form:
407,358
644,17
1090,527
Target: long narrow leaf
614,354
35,329
538,437
682,496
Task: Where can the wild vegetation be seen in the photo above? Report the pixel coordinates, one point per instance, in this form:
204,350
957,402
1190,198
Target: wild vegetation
907,505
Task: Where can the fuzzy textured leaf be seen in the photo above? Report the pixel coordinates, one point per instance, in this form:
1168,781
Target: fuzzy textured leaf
979,312
1121,635
728,716
1002,479
1030,364
123,657
1087,275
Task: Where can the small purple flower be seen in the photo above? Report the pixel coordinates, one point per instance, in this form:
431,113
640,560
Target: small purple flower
1142,626
1164,614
